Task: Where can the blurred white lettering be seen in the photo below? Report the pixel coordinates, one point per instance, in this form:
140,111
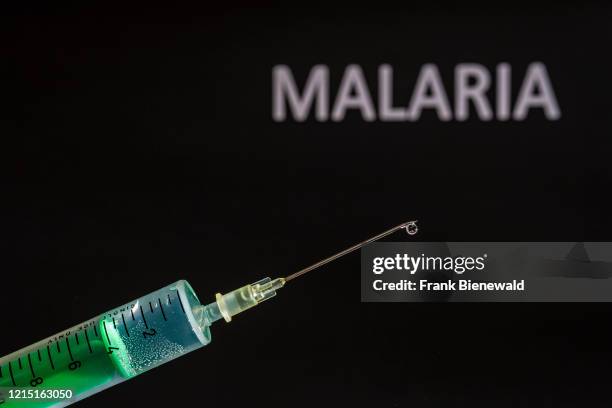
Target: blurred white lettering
474,95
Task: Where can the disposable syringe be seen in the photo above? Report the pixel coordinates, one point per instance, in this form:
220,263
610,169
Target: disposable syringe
128,340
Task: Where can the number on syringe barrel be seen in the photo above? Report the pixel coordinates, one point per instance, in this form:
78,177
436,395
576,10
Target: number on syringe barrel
150,332
36,381
74,365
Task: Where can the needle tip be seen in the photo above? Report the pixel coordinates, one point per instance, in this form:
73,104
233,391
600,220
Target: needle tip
410,227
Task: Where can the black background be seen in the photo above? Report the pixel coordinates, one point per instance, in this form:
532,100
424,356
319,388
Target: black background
146,153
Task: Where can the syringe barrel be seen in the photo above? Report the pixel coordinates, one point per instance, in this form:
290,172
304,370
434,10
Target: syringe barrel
106,350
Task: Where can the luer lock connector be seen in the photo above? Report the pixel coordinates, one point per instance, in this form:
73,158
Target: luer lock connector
247,296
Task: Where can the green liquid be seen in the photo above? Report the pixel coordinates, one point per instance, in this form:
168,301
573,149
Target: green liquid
103,352
84,372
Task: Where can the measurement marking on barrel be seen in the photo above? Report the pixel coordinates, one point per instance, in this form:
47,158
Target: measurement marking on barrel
161,307
178,295
11,373
169,300
0,371
76,337
132,312
69,351
88,343
151,307
96,331
50,359
58,347
39,356
20,366
114,324
125,325
106,332
31,367
144,319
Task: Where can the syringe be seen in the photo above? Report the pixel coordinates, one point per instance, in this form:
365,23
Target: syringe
129,340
